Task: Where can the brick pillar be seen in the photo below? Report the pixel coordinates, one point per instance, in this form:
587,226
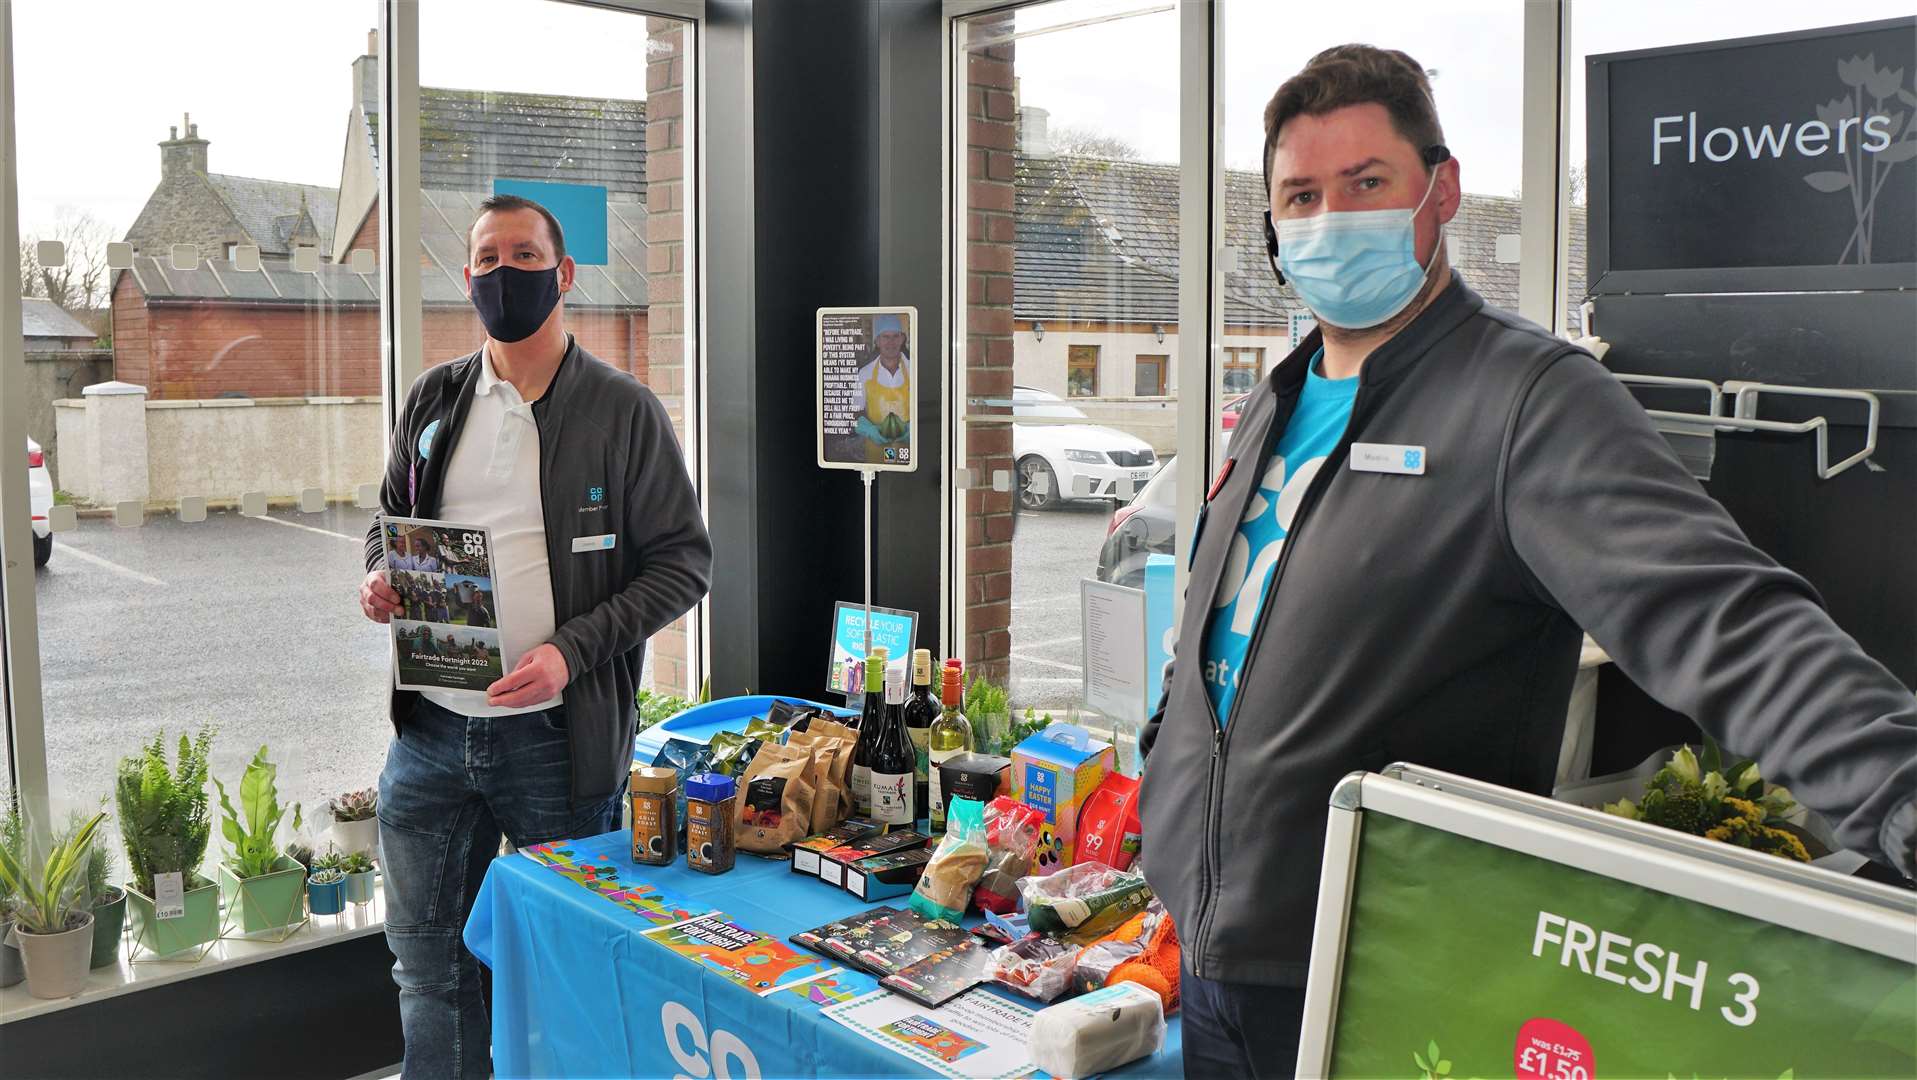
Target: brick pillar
991,187
663,366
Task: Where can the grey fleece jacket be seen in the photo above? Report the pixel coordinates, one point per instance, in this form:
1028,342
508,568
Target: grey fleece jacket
609,462
1435,619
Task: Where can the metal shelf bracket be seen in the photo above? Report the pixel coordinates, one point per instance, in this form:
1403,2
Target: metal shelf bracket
1743,417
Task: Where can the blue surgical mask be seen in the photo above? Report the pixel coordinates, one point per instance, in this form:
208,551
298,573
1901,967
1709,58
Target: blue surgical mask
1355,269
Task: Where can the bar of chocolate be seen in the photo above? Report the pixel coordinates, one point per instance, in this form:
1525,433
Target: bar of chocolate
805,853
882,876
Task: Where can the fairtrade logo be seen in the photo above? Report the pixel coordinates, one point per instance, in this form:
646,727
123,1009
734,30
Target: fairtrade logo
426,439
702,1058
1413,459
596,494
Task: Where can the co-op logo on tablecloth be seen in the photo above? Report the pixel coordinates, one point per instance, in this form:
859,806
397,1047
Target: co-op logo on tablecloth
717,1058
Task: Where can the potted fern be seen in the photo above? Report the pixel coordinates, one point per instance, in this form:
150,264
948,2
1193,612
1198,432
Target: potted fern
263,888
358,867
53,920
326,884
356,821
165,829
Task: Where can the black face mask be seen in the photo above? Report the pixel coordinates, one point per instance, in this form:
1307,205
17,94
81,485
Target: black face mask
514,303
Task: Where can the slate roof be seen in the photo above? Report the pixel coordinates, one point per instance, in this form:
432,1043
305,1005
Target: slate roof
444,218
270,210
41,318
468,137
1098,241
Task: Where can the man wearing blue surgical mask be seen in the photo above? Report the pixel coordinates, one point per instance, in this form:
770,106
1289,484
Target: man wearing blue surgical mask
1426,505
597,544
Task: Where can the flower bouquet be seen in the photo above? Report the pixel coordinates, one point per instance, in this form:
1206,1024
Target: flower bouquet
1697,795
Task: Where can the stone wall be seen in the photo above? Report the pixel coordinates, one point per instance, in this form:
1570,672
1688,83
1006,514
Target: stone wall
53,375
220,449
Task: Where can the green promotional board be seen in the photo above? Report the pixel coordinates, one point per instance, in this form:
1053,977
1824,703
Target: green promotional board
1466,960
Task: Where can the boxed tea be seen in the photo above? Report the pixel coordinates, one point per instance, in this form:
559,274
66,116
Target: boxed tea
805,853
882,876
1055,771
833,862
979,777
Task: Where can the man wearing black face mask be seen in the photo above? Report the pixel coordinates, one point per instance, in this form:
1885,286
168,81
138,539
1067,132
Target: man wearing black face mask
598,544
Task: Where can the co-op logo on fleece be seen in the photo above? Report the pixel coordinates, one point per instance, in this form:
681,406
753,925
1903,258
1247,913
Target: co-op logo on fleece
686,1039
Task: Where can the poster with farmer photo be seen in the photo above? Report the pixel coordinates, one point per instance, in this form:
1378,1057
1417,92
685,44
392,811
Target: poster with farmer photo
446,632
868,388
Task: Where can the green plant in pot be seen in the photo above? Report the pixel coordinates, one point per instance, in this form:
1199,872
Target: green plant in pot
53,918
262,887
356,820
164,826
13,836
358,867
108,902
326,884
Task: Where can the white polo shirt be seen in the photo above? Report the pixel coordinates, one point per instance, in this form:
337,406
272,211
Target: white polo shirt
493,480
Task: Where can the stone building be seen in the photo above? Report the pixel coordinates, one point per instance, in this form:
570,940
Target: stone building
243,287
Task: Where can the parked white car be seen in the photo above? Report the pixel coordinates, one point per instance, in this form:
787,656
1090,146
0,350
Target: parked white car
1057,462
40,497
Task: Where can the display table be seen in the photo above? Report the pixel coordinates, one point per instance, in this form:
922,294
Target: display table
578,992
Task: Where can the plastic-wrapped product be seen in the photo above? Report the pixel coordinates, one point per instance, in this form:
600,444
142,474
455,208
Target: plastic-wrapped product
945,889
1102,1030
1035,965
1086,900
1011,834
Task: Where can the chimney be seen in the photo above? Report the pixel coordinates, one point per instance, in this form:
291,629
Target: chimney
1035,131
366,76
183,156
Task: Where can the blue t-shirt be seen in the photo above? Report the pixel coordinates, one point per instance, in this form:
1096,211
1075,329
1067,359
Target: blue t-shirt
1318,422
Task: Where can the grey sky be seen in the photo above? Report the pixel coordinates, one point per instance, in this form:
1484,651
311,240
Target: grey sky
267,80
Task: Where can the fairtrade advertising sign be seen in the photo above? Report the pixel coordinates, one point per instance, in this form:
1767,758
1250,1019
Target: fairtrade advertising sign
1768,154
868,383
1470,960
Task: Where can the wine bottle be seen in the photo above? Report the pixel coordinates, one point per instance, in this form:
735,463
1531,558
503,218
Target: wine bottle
893,760
951,735
871,720
920,711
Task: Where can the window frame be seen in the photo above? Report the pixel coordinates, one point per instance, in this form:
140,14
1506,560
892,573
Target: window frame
1078,358
400,334
1198,358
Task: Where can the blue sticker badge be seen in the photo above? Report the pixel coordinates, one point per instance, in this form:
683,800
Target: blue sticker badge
596,494
426,439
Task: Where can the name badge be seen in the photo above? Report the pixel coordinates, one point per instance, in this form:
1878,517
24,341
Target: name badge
602,542
1387,458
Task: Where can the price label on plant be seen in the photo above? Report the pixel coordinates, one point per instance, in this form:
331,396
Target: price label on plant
169,896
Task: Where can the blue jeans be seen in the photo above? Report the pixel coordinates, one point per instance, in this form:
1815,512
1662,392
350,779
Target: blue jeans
451,787
1237,1029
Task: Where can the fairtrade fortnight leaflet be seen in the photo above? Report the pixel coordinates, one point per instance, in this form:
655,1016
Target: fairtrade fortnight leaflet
758,962
446,633
977,1034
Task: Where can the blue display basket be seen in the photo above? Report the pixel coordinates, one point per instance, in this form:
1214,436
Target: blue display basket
701,722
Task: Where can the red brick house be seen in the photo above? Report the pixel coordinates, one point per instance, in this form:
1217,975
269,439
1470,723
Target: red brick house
306,321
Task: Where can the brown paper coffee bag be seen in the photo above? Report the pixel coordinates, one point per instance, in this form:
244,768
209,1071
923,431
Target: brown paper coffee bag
775,800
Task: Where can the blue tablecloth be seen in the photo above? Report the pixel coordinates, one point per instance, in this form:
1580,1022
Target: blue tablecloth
578,992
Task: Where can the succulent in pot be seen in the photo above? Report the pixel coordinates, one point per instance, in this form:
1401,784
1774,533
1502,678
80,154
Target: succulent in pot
356,820
358,867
